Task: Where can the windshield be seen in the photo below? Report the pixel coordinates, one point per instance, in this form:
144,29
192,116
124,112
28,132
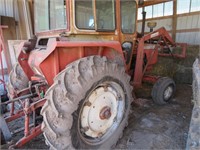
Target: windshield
128,16
104,10
50,15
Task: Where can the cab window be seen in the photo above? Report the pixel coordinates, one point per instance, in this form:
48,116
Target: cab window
128,16
105,10
105,14
50,15
84,14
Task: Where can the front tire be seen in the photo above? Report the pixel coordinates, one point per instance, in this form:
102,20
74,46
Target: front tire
163,90
87,106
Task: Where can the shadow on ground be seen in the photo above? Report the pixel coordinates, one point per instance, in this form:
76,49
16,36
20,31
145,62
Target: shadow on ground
159,127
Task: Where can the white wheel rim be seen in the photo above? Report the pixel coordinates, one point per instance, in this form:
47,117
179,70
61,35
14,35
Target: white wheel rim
103,111
168,92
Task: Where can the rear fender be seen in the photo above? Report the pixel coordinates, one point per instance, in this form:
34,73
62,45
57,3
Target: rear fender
59,54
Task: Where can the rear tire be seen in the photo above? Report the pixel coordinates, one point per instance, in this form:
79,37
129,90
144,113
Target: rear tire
163,90
17,81
71,105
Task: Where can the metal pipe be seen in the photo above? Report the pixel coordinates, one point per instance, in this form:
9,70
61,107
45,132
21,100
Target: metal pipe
27,118
12,108
1,59
20,129
18,98
34,118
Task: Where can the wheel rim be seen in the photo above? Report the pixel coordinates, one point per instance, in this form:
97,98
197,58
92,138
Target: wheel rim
102,113
168,92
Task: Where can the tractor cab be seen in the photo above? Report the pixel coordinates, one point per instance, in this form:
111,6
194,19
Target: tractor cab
88,20
107,20
80,28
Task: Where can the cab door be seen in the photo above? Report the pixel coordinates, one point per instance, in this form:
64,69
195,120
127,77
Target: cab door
128,26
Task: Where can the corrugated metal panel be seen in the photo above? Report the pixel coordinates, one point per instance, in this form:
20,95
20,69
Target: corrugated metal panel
188,37
195,22
9,8
6,8
180,23
188,22
198,22
197,40
2,8
167,23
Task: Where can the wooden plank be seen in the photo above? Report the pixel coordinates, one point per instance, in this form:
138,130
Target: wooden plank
188,30
189,14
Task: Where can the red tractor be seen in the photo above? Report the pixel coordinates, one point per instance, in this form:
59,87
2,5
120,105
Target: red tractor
78,69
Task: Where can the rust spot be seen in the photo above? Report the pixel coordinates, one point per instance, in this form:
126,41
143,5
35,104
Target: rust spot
105,88
105,113
88,104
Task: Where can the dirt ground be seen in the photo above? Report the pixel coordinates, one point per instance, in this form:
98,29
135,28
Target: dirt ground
150,126
159,127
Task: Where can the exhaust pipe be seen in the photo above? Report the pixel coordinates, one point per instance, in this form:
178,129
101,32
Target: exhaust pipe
143,22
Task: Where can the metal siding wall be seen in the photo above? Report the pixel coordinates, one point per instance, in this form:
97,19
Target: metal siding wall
185,23
167,23
6,8
9,8
2,8
198,38
188,37
188,22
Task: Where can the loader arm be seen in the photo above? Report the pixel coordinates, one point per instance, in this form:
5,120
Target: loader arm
163,39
